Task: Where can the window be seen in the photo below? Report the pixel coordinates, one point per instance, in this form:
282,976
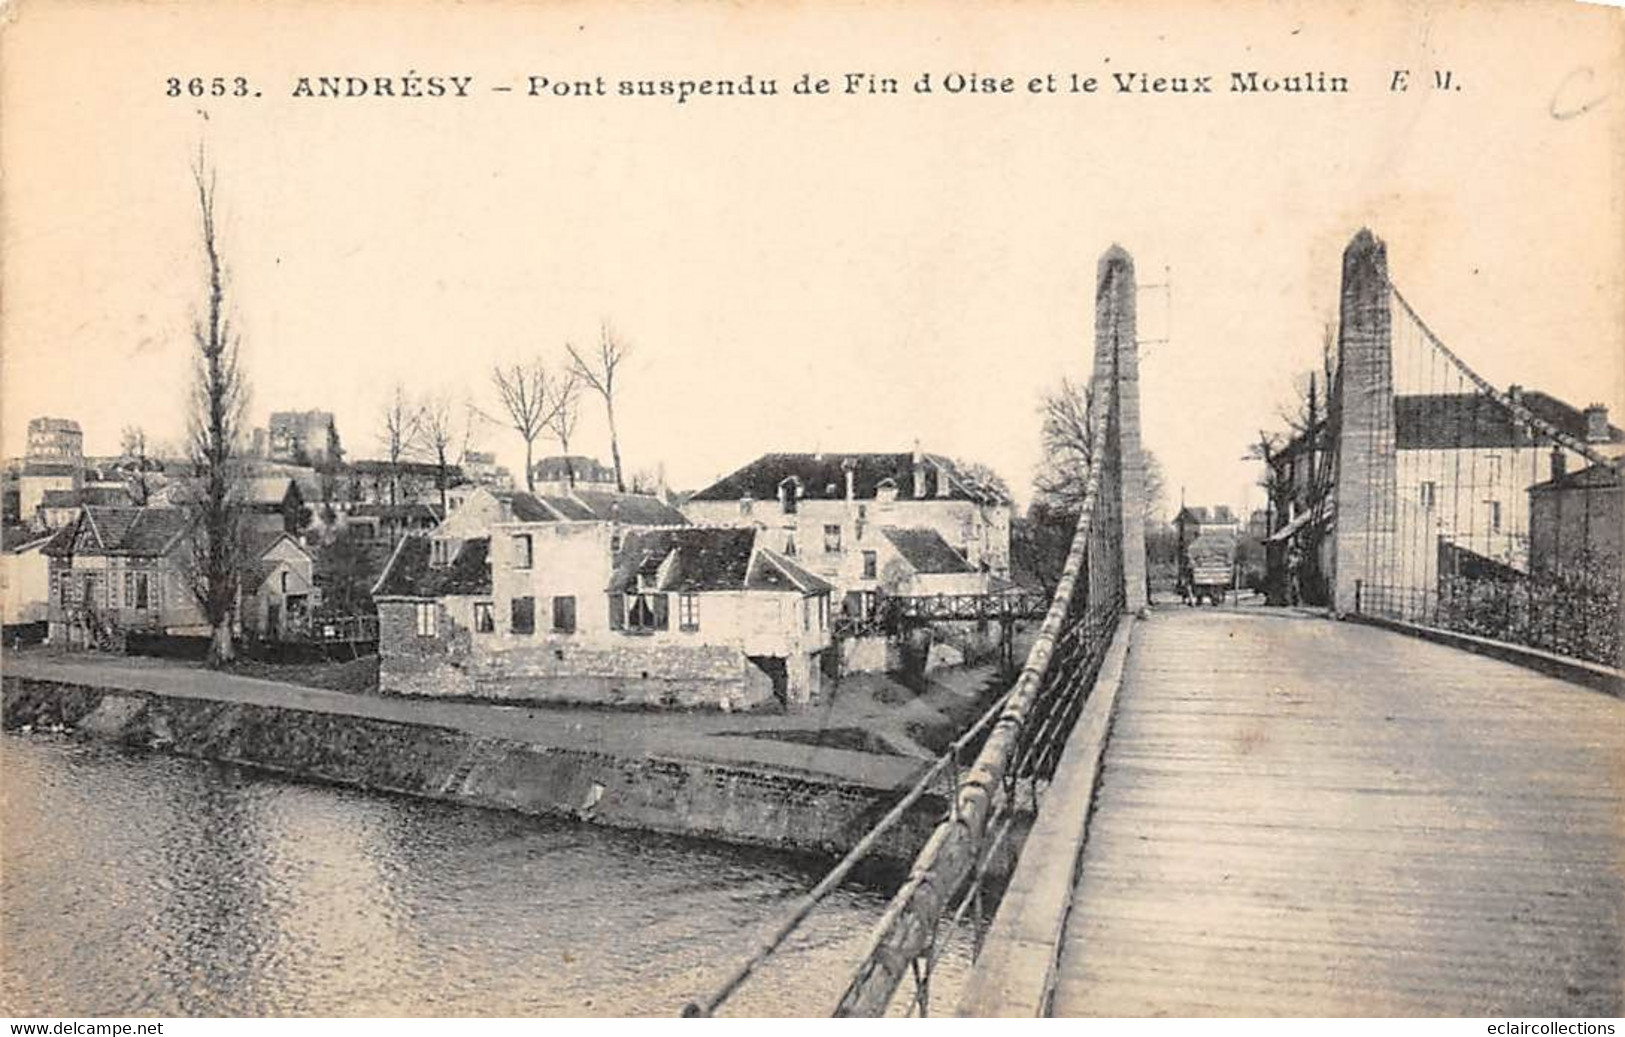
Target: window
823,612
646,613
438,552
745,505
137,591
1493,467
523,552
1494,507
788,491
688,612
871,565
484,621
522,615
806,615
427,615
790,546
832,539
284,582
564,614
1428,493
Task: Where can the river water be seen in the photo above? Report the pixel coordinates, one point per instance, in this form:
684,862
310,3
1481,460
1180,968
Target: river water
134,884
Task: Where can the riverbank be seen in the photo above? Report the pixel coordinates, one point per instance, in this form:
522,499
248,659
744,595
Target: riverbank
812,782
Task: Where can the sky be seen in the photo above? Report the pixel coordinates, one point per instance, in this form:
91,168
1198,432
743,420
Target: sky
800,272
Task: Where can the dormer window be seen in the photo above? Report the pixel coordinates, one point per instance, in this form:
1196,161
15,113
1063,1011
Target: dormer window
745,505
886,491
439,553
789,491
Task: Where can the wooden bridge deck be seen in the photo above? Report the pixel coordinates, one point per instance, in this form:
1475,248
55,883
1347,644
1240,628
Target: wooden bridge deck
1298,816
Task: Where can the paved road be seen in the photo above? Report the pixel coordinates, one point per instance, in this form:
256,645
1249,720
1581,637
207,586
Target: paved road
866,702
1305,817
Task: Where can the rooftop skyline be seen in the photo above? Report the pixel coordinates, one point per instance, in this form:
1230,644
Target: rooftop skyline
847,275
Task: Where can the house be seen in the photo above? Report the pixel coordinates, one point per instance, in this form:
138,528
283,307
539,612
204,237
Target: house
25,576
387,523
547,611
1465,464
117,569
278,587
1577,519
829,512
120,569
266,503
598,598
560,474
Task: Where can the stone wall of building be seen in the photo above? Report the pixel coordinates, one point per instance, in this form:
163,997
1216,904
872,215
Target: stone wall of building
447,664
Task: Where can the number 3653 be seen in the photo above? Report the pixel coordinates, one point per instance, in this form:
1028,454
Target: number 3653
218,86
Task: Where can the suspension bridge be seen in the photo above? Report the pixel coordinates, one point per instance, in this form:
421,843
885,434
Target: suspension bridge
1408,802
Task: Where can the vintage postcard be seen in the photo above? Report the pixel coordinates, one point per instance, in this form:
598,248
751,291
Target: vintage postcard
773,509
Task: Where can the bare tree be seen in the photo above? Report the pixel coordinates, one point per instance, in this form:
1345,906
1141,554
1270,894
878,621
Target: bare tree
439,436
599,375
1068,443
137,462
566,414
400,431
219,395
523,389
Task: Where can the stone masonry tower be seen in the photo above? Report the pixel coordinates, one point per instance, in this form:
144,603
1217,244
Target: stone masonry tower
1116,347
1364,414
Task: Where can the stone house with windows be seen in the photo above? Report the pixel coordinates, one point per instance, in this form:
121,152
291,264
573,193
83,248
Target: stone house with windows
869,522
533,598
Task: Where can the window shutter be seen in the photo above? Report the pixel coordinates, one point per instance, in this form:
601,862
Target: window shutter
617,611
661,602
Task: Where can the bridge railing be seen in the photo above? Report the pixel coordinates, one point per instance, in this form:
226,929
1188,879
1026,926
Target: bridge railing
1019,737
1460,506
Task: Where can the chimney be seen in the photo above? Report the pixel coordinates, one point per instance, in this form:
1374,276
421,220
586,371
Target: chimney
1596,423
1515,393
919,472
849,468
1559,462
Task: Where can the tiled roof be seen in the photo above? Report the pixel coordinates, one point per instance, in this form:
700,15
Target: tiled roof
428,513
926,551
1445,421
141,532
104,495
823,477
49,468
631,509
774,572
568,508
410,575
526,508
706,559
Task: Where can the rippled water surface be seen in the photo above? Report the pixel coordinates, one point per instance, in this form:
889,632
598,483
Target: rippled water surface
140,884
